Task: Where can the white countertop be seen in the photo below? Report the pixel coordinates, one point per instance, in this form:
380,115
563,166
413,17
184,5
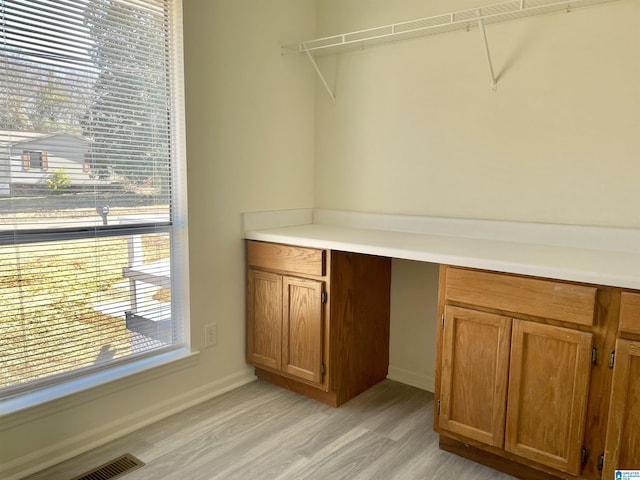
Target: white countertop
598,255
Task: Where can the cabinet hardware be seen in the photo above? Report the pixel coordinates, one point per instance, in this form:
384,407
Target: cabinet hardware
594,356
584,455
442,321
612,358
322,368
324,297
601,461
438,407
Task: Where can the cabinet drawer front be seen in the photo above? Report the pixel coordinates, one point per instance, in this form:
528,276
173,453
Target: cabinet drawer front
529,296
275,256
630,313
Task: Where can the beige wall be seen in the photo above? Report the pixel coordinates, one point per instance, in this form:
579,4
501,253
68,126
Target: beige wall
414,303
250,146
416,128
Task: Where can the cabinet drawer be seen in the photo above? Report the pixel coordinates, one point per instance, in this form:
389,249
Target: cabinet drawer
530,296
630,313
275,256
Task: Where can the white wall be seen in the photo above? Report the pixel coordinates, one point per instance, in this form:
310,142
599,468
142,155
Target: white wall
414,304
250,137
250,146
416,129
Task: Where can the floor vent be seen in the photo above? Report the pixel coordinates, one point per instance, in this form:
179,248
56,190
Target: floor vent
113,469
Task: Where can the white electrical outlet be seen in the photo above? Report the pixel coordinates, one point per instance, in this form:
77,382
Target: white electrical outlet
211,335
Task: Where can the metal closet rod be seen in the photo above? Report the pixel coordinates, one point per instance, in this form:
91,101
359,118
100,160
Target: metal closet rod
461,20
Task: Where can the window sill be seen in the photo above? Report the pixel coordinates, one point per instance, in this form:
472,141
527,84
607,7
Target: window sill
28,406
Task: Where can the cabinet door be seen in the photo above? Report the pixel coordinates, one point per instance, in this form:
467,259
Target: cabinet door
475,366
548,389
264,319
302,328
622,447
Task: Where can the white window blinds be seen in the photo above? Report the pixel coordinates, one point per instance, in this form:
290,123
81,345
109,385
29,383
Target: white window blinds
90,186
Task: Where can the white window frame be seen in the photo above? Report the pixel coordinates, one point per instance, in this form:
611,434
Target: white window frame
106,376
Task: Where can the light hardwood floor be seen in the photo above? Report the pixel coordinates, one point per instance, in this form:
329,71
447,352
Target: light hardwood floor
262,432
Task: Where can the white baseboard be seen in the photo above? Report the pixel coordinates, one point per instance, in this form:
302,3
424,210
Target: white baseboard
47,457
415,379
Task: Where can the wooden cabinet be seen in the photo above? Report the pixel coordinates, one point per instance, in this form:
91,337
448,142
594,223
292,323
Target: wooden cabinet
284,324
302,328
264,318
549,376
317,320
629,313
475,370
525,377
514,367
622,447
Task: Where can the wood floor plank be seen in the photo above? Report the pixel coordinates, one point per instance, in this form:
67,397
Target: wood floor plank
262,432
349,460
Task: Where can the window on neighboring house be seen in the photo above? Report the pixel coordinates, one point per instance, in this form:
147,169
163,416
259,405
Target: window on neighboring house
35,160
96,279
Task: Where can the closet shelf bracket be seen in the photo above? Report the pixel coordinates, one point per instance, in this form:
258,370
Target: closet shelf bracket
483,34
319,72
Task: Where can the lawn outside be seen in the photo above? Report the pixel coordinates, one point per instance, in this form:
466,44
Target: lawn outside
63,310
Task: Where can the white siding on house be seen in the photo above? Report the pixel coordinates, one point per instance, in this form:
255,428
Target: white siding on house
59,151
5,177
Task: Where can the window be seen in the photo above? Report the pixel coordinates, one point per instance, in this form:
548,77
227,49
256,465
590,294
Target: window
92,262
35,160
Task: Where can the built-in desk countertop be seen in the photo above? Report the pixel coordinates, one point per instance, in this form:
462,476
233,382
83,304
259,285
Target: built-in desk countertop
597,255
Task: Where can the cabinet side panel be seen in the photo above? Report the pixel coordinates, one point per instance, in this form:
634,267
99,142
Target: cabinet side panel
442,282
360,308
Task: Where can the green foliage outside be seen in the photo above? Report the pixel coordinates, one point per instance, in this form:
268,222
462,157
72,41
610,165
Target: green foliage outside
49,305
117,98
59,181
128,110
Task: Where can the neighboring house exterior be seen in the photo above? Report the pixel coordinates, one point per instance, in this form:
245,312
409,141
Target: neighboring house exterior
28,159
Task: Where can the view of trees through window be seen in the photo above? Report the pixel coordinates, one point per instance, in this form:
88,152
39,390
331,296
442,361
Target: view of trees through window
101,87
85,230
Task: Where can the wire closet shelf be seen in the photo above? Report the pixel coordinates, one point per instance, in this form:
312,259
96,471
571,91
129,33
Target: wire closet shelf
448,22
